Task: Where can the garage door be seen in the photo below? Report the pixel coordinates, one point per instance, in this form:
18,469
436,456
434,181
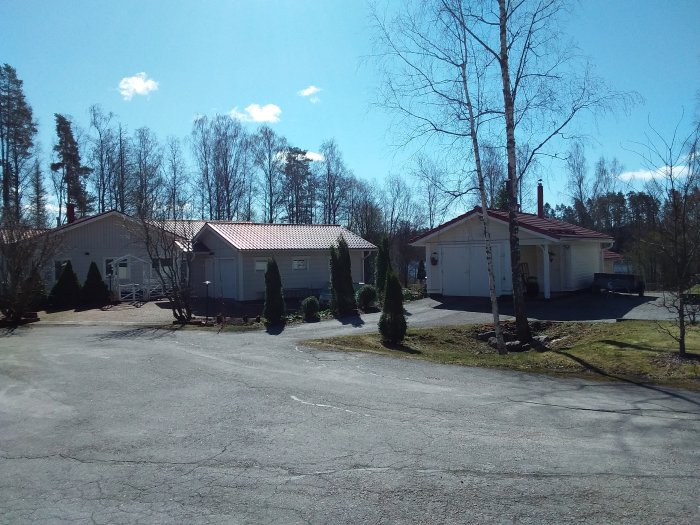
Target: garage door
478,273
226,278
455,278
464,270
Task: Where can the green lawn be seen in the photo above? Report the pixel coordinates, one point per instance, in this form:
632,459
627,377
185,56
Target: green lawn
631,350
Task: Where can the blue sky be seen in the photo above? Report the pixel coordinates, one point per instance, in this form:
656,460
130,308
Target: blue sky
211,57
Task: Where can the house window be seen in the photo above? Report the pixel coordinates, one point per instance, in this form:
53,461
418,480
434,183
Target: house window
58,267
163,262
118,269
260,265
299,264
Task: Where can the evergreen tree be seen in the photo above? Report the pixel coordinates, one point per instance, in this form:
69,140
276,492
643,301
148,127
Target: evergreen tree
274,308
65,294
343,293
392,323
383,263
36,289
73,173
17,131
420,273
38,216
94,291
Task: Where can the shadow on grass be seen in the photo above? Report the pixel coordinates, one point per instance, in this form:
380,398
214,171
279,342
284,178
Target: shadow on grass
592,368
401,348
621,345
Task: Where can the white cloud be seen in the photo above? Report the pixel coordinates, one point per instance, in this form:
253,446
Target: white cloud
139,84
314,157
311,93
648,175
257,113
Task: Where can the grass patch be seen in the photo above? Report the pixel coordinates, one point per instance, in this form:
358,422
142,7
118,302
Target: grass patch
632,350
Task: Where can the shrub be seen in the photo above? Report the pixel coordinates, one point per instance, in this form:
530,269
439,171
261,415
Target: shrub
310,308
392,323
36,289
65,294
366,297
274,308
95,291
420,273
342,291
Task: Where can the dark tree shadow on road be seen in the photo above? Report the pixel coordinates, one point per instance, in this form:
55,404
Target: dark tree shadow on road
354,320
592,368
152,332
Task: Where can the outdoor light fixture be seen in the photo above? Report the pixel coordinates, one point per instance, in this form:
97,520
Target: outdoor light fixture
434,258
206,320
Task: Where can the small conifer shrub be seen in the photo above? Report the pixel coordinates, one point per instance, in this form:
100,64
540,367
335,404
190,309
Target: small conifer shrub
65,294
392,323
274,308
94,291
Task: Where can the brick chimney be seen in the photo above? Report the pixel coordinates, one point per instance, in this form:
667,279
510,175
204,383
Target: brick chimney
540,199
70,212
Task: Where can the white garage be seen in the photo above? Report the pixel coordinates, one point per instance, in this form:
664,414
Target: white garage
562,257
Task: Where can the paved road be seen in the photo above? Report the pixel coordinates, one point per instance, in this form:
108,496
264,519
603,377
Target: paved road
110,425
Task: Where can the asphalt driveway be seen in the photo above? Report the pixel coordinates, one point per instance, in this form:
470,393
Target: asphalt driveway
126,425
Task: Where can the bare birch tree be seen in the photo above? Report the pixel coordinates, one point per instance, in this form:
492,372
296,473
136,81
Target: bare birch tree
438,87
675,163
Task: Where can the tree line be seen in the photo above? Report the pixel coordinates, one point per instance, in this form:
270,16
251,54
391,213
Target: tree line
222,171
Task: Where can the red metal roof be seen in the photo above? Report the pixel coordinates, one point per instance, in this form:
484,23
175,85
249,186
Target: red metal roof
554,228
255,236
609,254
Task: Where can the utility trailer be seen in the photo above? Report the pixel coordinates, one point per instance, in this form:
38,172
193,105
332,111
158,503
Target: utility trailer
618,282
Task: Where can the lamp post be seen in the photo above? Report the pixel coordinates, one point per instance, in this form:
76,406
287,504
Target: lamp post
206,320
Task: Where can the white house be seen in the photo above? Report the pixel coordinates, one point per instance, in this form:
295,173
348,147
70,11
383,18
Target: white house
233,256
113,241
561,256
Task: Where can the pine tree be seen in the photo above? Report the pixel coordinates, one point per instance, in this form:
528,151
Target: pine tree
17,131
420,273
65,294
392,323
343,293
38,216
383,263
274,308
94,291
73,173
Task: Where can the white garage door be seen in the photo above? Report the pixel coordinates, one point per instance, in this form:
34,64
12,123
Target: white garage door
464,270
455,277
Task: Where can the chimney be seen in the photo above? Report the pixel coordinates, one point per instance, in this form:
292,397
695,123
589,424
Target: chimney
70,212
540,199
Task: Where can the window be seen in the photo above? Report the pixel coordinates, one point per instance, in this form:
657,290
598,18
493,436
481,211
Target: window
122,268
260,265
299,264
58,267
163,262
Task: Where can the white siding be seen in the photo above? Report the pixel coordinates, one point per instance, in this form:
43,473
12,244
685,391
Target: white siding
315,277
107,237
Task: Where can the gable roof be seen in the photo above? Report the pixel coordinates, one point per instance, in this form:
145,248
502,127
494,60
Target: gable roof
545,226
92,218
256,236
